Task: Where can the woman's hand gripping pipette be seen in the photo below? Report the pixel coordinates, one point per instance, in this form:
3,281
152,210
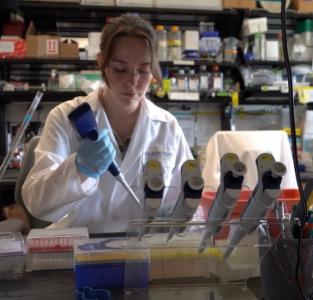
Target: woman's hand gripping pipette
95,155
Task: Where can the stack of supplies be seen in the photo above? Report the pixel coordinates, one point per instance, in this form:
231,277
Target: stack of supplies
12,255
52,248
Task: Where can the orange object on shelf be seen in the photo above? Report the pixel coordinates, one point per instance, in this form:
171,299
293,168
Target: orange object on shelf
288,196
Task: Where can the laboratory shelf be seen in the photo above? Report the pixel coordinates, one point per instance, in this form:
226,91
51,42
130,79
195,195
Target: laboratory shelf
203,100
53,61
255,96
60,96
275,63
93,62
49,96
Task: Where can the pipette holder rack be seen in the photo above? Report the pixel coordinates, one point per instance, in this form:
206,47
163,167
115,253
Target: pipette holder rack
177,264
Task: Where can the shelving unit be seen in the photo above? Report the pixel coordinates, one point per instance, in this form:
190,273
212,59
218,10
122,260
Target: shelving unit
73,19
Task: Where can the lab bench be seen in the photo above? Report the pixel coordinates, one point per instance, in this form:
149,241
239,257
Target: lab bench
60,284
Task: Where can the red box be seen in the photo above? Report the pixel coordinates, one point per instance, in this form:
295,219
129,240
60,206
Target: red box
12,48
14,28
288,196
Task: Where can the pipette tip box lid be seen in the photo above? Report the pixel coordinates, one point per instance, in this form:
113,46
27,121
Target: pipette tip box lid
52,248
12,255
101,263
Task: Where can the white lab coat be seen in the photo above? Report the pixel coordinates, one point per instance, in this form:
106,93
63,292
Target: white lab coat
53,190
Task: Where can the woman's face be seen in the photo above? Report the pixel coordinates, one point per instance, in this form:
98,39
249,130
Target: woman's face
129,69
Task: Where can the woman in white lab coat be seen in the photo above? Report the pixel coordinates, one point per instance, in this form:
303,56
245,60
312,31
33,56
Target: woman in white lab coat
69,184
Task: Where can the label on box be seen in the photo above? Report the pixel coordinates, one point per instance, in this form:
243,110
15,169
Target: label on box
6,46
12,48
52,47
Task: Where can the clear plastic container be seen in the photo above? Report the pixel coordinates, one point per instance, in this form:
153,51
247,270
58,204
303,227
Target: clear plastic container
210,45
206,27
162,42
230,49
181,81
12,255
50,249
203,79
193,81
217,79
53,82
174,44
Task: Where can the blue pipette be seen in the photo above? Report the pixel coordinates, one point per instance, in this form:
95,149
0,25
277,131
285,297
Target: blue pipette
85,124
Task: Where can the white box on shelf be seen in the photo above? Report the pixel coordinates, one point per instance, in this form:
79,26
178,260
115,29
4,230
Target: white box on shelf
93,48
195,4
98,2
256,25
139,3
272,50
184,96
191,40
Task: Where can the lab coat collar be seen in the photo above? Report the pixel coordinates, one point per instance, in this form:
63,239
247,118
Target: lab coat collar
148,112
154,112
143,132
93,100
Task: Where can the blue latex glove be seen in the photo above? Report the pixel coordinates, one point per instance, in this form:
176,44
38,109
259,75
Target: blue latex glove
94,157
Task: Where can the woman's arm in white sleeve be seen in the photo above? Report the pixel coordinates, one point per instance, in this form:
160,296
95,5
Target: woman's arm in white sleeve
53,187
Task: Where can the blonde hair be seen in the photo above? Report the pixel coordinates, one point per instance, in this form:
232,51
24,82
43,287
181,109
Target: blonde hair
128,25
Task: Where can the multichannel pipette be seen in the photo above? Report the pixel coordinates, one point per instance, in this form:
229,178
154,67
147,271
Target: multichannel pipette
27,118
267,190
153,188
232,176
85,124
190,196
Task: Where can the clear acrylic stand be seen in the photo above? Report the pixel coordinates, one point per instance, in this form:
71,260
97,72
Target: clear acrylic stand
158,268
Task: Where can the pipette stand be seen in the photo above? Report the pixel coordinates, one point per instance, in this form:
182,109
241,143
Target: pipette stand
177,270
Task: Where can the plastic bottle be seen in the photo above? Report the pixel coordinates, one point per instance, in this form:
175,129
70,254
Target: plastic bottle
181,81
203,79
193,81
280,45
173,81
174,44
217,79
162,42
53,82
259,46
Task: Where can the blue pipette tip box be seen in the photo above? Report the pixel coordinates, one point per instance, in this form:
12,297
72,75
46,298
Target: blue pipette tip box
106,264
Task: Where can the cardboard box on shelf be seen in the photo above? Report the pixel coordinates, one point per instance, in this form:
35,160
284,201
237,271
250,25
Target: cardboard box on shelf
12,47
239,4
69,49
139,3
196,4
305,6
44,46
